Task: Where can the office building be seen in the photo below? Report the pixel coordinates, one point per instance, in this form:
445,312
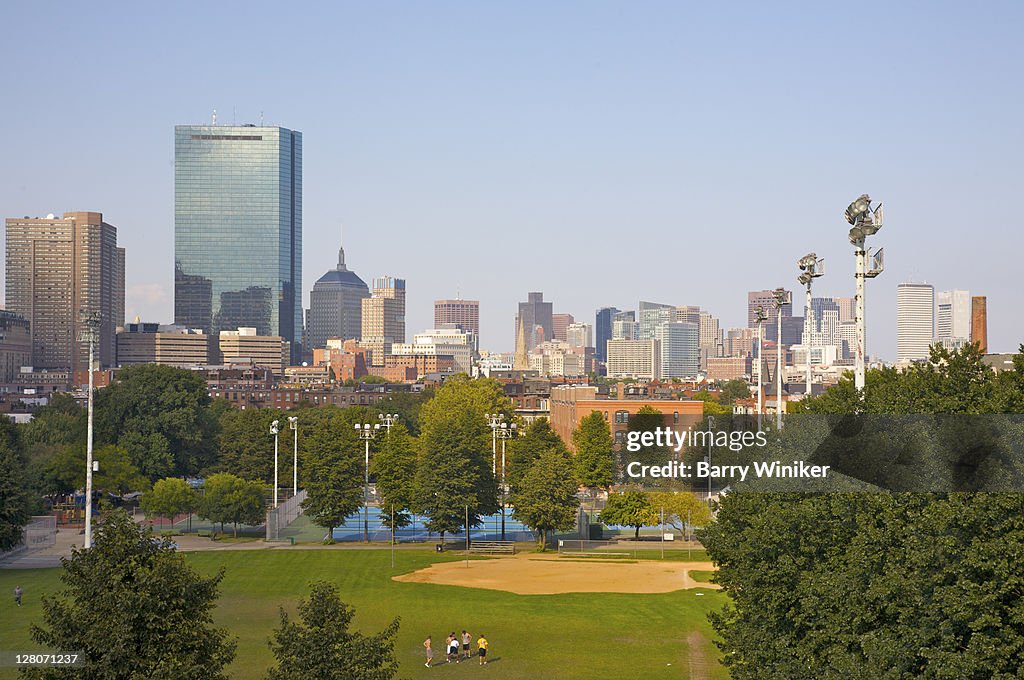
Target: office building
336,306
383,317
603,331
679,345
915,321
464,314
535,314
953,316
153,343
246,345
651,315
624,326
979,322
58,268
238,229
579,335
447,340
559,325
634,359
15,345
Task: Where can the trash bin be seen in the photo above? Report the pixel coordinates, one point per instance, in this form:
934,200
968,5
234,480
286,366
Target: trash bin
439,547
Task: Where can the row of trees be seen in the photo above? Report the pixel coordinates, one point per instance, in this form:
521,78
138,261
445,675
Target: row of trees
879,584
225,499
638,508
135,609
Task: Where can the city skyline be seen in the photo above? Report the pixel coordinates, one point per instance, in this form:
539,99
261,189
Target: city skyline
538,157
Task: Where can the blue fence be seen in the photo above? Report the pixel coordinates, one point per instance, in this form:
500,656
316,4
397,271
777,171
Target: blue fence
490,530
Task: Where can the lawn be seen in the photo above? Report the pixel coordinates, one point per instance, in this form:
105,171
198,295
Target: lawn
532,636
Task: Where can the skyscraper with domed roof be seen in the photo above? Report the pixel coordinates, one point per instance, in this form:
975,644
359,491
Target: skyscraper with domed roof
335,305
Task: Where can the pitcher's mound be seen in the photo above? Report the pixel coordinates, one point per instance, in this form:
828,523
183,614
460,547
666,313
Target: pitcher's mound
537,574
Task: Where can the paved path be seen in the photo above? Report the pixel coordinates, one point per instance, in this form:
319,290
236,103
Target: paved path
47,557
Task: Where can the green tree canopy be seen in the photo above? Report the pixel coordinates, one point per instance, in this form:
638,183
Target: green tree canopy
135,609
160,415
332,463
245,446
65,471
321,645
14,498
594,461
680,507
523,451
646,419
169,498
878,584
731,390
454,468
230,499
545,496
394,466
630,508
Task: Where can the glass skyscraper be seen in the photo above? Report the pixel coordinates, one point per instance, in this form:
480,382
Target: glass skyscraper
238,229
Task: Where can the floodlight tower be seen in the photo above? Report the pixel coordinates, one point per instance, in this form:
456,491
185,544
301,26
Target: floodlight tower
275,430
761,316
90,333
505,432
864,222
812,267
780,299
367,432
293,425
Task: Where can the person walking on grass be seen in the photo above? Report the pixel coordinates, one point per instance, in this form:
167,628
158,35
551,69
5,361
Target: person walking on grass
481,645
429,651
17,595
467,640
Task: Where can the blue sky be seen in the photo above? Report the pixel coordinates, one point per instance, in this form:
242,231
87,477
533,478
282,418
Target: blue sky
600,152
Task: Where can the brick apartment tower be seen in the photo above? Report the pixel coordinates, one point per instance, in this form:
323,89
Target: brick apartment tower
57,268
979,321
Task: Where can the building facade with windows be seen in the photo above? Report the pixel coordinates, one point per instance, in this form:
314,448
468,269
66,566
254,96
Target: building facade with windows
238,229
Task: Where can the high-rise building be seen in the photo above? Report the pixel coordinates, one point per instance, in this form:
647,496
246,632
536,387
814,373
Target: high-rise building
766,299
559,324
383,317
238,230
445,340
915,320
847,308
711,344
624,326
953,315
465,314
603,331
979,321
532,314
651,315
679,344
634,359
58,269
739,342
579,335
15,345
335,306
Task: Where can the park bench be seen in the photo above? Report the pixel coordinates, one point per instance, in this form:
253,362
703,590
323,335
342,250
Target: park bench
597,553
493,547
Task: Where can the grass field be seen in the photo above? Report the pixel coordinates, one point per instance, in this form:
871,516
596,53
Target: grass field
532,636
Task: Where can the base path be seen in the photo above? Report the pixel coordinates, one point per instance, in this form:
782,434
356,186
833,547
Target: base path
537,574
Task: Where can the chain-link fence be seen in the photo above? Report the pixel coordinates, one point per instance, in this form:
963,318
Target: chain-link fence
284,514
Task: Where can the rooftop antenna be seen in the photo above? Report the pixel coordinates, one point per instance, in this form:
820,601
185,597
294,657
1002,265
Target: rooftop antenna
233,121
214,116
261,119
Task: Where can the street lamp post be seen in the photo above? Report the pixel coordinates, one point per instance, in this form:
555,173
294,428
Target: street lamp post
812,267
293,424
761,316
864,222
780,300
89,333
494,422
366,433
505,432
274,430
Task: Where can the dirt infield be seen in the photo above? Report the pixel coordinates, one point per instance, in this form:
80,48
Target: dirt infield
548,575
